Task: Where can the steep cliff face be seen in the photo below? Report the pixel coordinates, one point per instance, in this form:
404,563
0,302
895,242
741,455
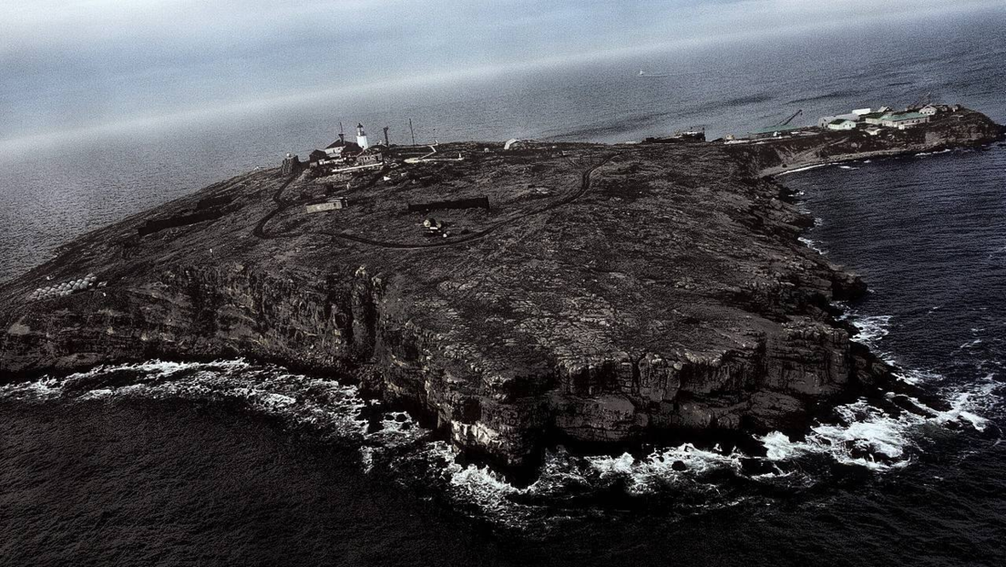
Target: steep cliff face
772,376
609,295
196,311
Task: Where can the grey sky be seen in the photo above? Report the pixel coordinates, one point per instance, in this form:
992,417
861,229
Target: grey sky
79,63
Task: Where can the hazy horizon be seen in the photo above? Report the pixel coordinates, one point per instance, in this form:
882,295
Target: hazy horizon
96,64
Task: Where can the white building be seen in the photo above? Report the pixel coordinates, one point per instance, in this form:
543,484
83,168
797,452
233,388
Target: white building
842,124
903,120
928,110
361,137
825,120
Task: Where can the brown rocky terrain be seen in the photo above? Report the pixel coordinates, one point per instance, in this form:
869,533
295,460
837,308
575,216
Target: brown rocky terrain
608,294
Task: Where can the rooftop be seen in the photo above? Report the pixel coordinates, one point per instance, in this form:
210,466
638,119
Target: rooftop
904,116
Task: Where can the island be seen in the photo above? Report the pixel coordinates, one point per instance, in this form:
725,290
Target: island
513,296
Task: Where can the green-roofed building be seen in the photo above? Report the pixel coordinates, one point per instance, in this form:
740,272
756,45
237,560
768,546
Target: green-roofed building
902,120
874,117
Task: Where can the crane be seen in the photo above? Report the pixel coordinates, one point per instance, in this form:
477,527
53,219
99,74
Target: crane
790,119
925,100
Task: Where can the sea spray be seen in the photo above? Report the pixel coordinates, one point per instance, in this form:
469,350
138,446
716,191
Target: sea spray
693,477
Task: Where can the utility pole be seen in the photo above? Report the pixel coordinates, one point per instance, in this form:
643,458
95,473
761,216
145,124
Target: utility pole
413,132
342,135
387,144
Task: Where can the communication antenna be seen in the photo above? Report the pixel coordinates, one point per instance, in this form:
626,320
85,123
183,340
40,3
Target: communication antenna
413,132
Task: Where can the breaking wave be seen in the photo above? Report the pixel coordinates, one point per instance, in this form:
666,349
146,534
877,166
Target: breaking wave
686,477
812,245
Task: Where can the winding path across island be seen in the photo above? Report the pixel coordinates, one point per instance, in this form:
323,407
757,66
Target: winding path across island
282,204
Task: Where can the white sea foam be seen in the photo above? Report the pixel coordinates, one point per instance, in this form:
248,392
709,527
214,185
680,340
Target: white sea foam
965,406
319,402
671,465
367,458
865,436
479,486
812,245
396,429
916,376
861,435
970,344
871,329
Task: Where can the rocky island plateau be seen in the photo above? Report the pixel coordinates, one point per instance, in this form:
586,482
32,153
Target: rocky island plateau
514,298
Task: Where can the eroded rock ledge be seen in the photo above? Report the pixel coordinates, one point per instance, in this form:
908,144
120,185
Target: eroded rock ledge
610,294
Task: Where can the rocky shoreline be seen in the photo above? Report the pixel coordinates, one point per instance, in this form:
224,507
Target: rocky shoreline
608,295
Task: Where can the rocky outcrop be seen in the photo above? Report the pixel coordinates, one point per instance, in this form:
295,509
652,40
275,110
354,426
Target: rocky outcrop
608,295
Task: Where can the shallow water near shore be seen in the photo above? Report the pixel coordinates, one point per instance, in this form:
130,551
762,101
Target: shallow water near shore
232,462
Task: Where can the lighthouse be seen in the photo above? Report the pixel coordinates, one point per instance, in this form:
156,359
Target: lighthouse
361,137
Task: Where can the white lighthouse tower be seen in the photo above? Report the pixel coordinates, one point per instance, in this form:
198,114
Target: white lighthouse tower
361,137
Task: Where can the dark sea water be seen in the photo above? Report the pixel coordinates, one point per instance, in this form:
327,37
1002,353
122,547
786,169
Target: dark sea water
238,463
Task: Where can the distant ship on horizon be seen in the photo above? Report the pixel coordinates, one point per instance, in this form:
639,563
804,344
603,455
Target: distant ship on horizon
643,73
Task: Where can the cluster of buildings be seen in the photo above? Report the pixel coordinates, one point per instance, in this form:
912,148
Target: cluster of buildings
342,155
872,120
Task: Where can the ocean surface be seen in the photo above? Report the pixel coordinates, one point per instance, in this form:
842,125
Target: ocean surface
234,462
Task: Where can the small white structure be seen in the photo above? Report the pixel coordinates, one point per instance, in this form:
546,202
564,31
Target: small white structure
361,137
873,131
338,203
861,111
842,124
928,110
